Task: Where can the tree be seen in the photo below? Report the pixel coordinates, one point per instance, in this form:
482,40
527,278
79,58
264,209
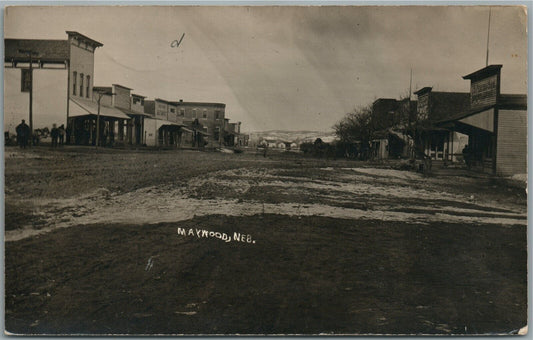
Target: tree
355,126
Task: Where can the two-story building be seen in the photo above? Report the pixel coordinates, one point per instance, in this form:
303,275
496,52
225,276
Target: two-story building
86,115
391,119
433,107
137,125
383,116
166,126
209,118
61,77
125,131
233,136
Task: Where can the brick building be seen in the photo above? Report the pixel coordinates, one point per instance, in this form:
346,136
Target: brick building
383,110
209,118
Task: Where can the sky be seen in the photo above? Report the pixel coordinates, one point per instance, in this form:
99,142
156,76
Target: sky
287,68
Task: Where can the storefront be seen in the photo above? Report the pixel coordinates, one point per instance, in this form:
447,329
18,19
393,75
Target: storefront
83,122
496,125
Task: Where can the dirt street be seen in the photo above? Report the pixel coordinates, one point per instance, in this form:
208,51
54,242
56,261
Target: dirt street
188,242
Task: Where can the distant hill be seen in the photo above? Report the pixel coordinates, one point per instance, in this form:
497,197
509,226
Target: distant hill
292,136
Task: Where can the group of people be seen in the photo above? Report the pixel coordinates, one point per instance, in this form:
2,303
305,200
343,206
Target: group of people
58,135
24,134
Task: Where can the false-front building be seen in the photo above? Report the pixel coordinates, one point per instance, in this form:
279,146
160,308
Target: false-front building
496,125
60,70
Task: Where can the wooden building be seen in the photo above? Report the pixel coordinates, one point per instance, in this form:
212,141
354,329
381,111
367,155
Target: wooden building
164,126
62,71
432,107
496,125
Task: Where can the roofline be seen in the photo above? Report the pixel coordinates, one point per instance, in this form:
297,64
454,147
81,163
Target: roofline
138,95
491,69
423,90
96,43
124,87
35,39
38,58
199,103
161,100
450,92
384,99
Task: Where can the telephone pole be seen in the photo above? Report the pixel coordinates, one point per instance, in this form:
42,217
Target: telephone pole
31,54
488,36
100,95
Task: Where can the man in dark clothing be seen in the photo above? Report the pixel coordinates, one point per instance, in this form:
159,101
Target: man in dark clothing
61,132
467,156
54,133
23,134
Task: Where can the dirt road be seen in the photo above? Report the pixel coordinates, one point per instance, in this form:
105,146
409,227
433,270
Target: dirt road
187,242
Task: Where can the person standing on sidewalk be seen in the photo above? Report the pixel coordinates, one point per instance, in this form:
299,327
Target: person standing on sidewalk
61,131
23,134
54,133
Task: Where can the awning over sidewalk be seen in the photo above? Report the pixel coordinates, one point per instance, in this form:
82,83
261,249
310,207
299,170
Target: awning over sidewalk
482,120
161,122
82,107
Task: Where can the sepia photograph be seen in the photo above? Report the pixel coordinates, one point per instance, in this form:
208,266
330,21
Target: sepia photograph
265,170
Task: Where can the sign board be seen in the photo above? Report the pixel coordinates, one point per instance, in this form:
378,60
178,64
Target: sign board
484,92
423,106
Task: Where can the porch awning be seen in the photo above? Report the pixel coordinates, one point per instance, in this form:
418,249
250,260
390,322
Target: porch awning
162,122
82,107
483,120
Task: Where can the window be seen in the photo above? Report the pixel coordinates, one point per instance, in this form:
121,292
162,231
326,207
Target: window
194,113
25,80
138,100
217,114
172,110
88,82
81,85
205,114
74,80
182,112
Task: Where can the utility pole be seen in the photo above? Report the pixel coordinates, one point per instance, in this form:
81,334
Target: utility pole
31,54
488,36
100,95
